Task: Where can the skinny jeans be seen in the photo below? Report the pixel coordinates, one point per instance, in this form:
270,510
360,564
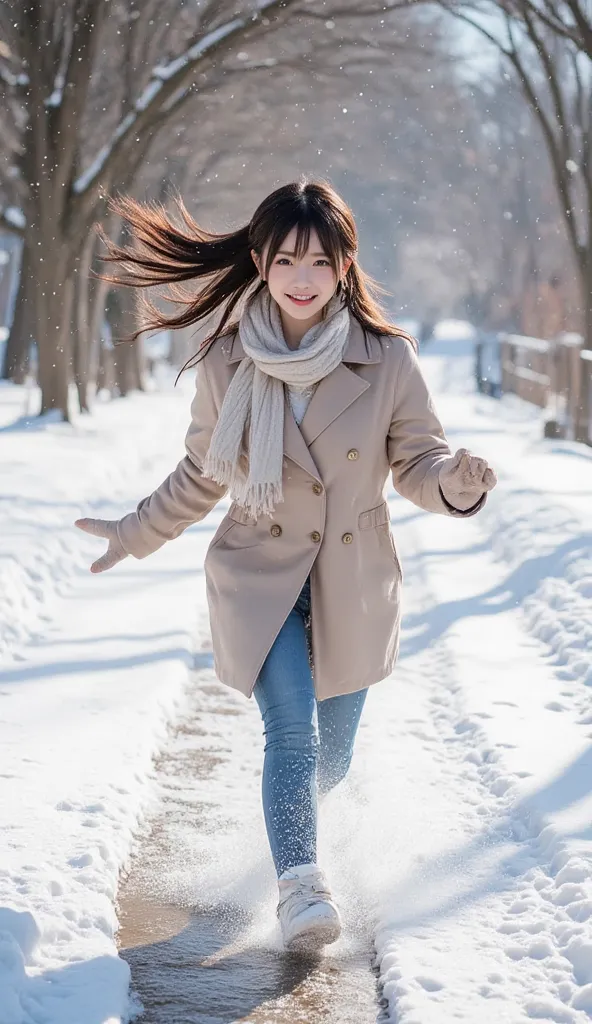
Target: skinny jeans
308,743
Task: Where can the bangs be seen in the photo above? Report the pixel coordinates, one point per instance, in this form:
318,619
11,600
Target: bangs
306,221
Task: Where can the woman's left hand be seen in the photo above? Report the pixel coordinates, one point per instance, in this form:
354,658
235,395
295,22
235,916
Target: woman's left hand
464,478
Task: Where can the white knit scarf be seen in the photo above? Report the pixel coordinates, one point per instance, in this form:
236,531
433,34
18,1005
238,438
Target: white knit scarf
255,399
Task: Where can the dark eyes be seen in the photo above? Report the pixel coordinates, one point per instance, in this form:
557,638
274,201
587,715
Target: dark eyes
284,260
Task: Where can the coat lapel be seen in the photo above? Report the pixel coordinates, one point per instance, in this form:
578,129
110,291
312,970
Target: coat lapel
295,446
333,395
336,392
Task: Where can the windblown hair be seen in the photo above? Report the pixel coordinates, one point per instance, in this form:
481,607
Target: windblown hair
162,252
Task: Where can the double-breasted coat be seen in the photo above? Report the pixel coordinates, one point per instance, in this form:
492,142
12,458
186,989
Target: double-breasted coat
372,415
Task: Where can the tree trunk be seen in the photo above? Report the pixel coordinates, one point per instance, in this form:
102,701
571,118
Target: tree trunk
79,340
54,307
97,303
583,413
100,357
16,355
127,356
9,268
105,378
128,367
137,368
82,337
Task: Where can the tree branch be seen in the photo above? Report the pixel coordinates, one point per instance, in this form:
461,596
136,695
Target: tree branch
11,222
548,15
177,75
558,163
559,151
88,16
584,26
554,87
359,12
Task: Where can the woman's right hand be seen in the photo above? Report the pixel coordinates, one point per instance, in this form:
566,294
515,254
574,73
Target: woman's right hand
106,528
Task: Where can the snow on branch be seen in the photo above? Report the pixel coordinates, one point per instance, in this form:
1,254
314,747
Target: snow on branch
197,50
58,92
160,75
15,216
13,219
163,80
13,79
91,174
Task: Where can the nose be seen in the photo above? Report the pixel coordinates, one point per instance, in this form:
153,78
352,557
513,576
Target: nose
303,276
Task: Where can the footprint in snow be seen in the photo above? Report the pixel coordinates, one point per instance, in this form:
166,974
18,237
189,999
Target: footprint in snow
428,983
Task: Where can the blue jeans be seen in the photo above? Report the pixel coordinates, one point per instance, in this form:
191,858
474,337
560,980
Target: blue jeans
308,743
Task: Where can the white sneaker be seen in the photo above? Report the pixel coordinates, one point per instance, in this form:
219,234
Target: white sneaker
308,916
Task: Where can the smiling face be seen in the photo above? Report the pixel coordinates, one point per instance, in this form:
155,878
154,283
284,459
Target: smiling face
301,284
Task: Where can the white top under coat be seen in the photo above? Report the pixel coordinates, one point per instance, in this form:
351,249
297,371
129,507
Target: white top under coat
299,398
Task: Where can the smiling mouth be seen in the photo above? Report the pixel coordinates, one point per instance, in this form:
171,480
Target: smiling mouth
302,300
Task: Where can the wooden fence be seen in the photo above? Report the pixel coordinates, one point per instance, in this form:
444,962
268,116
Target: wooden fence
554,375
586,386
526,370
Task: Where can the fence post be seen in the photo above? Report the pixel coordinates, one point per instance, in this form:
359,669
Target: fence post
584,406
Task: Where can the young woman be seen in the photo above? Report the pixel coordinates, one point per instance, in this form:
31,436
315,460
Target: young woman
301,410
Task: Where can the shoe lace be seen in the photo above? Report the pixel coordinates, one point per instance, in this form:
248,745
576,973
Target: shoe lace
310,892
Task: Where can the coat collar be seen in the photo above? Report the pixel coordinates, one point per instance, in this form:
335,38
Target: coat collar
295,447
333,395
362,347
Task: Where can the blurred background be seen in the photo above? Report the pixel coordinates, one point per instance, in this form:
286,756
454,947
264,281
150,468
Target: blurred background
460,134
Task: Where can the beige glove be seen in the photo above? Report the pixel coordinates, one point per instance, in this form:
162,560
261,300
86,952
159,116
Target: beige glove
104,528
464,478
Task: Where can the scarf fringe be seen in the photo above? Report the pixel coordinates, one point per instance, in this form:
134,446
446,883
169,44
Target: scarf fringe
256,498
254,400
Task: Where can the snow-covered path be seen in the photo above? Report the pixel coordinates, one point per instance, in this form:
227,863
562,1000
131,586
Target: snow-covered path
462,840
491,912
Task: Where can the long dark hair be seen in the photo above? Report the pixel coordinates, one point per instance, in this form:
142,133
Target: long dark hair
162,252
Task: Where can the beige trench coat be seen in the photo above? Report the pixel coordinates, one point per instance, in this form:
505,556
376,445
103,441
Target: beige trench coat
372,414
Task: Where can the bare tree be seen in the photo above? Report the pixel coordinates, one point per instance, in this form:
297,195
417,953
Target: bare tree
548,44
568,19
52,50
513,236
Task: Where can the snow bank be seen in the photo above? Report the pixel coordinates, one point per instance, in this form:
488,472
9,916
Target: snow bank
495,923
462,839
92,671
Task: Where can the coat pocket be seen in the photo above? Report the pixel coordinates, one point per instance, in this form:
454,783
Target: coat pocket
239,515
378,516
379,519
240,539
221,532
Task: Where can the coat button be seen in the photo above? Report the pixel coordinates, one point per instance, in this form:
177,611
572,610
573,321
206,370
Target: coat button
317,488
276,531
353,454
315,535
347,538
